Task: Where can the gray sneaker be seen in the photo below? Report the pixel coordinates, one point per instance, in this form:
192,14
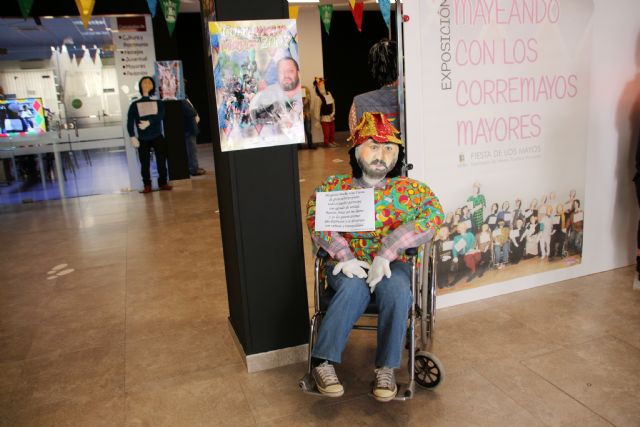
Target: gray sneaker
327,381
385,388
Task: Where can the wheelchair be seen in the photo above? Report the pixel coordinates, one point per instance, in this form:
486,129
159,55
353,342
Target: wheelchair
425,369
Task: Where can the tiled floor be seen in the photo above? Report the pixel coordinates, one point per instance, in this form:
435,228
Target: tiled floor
136,333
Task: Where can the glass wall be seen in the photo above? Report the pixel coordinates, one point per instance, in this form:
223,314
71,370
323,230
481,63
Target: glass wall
61,122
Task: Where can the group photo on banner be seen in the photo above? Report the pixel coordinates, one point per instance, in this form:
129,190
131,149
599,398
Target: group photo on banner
486,239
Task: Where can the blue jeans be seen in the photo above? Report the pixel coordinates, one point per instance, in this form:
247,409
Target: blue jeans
192,152
393,297
502,253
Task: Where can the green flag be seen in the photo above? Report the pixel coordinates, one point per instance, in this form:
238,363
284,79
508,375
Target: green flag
326,13
170,10
25,7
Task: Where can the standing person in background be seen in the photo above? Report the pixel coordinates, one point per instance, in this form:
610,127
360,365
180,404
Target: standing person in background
476,203
559,232
145,118
306,112
383,63
327,113
191,119
546,227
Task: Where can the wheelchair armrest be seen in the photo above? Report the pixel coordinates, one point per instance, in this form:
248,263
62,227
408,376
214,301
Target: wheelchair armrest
322,254
411,252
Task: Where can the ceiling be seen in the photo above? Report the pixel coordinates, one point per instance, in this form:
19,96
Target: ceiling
23,39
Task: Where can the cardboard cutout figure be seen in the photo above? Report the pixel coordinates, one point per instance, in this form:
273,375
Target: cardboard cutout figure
407,214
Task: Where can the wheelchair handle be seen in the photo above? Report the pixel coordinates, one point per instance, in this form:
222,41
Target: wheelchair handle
411,252
322,254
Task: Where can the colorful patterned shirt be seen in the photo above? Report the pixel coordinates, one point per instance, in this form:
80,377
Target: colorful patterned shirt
477,216
407,214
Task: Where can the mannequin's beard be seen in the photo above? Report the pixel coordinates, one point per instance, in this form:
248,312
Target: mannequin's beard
370,172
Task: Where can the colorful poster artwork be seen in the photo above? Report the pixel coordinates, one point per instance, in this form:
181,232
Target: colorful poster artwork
170,80
500,97
257,83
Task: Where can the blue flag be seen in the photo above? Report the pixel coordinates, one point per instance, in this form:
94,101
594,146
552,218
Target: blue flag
153,6
385,9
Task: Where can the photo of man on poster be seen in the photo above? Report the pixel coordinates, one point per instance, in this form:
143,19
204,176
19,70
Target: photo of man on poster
279,105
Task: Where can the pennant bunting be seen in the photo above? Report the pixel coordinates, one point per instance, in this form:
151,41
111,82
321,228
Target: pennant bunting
153,6
207,8
85,7
352,4
170,9
357,14
293,12
326,13
25,7
385,9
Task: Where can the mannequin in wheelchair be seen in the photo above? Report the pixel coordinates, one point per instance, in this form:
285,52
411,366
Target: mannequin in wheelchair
407,214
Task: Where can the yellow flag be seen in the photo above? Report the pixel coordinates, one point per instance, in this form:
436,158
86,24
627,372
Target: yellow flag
85,7
293,12
352,3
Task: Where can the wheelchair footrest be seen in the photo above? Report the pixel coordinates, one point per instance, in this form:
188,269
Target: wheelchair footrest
308,385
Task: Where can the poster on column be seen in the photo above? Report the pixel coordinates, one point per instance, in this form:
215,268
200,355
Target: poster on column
500,131
257,83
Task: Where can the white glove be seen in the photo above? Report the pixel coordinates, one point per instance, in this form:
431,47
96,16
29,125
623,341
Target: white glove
134,142
379,267
353,267
144,124
197,119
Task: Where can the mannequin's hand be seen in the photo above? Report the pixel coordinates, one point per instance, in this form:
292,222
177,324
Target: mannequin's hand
353,267
143,124
134,142
197,119
379,267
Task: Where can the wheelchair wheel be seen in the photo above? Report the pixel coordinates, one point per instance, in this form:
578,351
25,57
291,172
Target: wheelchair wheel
429,372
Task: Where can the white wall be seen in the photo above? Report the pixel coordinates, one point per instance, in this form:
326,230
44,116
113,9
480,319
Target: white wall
310,43
610,202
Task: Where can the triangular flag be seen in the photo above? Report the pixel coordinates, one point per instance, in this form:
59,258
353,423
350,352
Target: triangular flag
293,12
206,6
326,13
357,14
85,7
153,6
25,7
170,10
352,4
385,9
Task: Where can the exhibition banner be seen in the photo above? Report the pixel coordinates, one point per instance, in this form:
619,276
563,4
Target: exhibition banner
497,109
257,83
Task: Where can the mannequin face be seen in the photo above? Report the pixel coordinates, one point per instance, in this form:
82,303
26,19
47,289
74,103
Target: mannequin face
376,160
146,85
